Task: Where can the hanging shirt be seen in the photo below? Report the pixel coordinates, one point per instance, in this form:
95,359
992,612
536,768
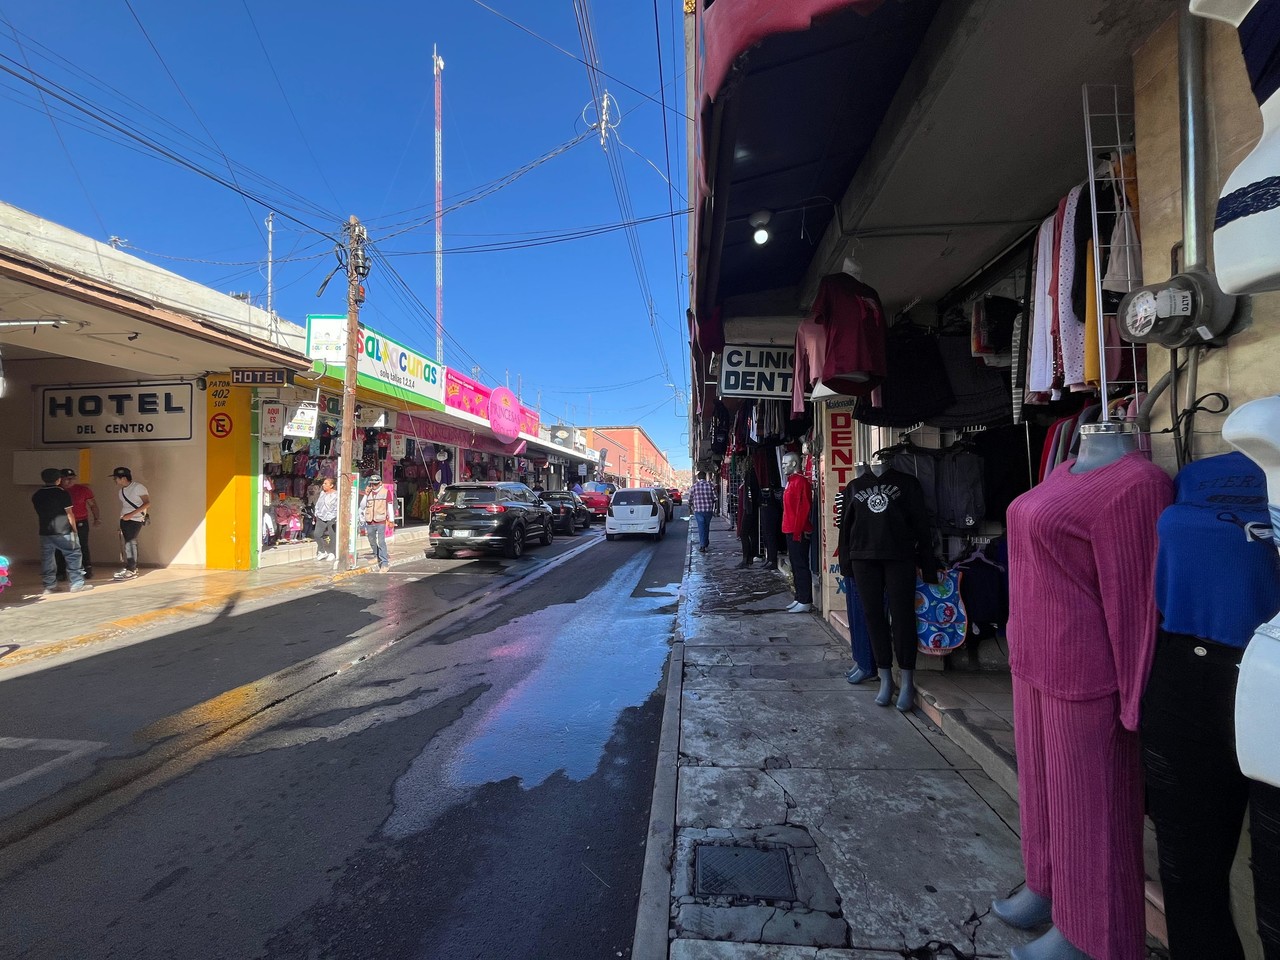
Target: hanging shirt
884,518
1218,572
853,317
1040,372
811,354
1070,325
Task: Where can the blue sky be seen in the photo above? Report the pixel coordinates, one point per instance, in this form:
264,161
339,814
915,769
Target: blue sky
566,318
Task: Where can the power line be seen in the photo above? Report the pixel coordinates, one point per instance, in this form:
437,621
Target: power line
572,56
542,240
69,98
285,96
177,86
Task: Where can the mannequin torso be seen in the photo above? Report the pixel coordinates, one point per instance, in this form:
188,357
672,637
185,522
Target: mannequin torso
1104,443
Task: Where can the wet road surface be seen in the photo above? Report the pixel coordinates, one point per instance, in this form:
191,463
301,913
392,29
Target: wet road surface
480,789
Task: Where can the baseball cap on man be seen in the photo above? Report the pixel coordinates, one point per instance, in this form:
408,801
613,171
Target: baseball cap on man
66,472
374,477
122,472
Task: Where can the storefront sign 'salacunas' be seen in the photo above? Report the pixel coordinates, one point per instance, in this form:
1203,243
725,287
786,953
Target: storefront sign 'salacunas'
754,370
108,412
382,364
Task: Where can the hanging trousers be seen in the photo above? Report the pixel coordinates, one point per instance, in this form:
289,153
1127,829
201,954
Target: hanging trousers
1080,802
895,633
770,524
859,638
798,554
749,532
1196,796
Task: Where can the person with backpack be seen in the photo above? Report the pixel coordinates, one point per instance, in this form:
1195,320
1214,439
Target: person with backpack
135,506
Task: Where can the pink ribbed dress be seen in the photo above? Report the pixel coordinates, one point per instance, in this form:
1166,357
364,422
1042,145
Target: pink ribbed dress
1082,627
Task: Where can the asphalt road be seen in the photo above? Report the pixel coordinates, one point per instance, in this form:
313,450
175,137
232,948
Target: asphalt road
479,788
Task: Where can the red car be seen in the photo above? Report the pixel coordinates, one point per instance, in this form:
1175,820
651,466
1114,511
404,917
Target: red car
675,495
596,496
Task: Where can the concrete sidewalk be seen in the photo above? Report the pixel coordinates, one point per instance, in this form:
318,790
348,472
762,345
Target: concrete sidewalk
794,818
34,627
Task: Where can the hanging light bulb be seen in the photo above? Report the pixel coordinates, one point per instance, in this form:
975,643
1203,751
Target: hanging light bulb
760,223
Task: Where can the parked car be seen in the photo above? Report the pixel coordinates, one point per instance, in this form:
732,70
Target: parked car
596,497
568,512
668,505
635,510
489,517
676,496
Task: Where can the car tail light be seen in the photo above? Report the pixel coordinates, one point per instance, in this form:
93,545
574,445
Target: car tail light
654,508
438,508
610,510
494,508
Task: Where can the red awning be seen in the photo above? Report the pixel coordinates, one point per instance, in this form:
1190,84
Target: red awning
730,27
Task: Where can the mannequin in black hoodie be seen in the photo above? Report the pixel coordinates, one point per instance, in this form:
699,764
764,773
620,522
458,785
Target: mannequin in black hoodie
884,537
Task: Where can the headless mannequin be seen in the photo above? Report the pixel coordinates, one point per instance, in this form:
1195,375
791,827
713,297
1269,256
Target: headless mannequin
864,664
1101,444
1244,246
906,696
860,467
1254,430
1104,443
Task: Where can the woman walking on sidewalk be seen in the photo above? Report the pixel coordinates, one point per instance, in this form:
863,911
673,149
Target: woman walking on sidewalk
326,513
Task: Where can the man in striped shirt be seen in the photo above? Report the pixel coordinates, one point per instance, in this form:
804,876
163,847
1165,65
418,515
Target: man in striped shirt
702,496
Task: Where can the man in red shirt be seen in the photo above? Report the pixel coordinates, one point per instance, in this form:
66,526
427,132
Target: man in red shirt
82,505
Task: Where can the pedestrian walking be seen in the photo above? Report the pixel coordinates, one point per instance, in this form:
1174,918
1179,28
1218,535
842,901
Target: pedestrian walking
57,528
135,507
377,511
326,511
705,500
84,506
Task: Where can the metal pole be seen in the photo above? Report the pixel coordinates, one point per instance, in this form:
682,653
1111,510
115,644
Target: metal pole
438,67
356,268
270,238
1195,131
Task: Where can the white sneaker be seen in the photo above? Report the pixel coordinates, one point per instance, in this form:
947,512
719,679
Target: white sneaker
124,575
799,608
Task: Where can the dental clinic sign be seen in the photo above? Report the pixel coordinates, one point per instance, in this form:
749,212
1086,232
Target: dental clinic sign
754,370
109,412
382,365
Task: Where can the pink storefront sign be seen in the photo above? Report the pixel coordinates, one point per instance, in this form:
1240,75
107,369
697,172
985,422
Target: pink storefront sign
429,431
463,393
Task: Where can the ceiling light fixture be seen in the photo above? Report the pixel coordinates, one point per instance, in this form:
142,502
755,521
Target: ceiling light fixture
759,223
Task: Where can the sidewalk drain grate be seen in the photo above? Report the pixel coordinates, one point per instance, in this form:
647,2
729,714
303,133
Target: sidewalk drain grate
742,871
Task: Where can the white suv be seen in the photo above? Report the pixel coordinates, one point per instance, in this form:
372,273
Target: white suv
635,510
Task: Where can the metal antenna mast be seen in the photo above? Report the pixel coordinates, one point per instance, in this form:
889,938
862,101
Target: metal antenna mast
438,67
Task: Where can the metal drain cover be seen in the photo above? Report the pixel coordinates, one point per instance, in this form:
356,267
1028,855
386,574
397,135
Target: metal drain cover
741,871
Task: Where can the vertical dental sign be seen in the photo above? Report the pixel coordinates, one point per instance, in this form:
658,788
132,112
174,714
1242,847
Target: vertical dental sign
756,370
109,412
382,365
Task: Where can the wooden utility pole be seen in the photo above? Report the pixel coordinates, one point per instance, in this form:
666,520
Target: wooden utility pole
348,478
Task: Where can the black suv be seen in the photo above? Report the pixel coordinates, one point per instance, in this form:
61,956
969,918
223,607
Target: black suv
489,517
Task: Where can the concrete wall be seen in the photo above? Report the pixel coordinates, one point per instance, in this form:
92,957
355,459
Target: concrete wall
1243,370
33,238
173,471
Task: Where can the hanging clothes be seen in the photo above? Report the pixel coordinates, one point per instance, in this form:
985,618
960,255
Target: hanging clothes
916,386
854,360
1040,358
1070,324
981,393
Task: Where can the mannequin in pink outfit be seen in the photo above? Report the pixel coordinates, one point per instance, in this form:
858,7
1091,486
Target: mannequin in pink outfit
1081,633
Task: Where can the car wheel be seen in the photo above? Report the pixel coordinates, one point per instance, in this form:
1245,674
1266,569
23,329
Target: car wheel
548,533
442,553
610,536
515,548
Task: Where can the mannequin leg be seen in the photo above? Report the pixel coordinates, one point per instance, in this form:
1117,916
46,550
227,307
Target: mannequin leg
798,553
1052,946
1025,910
885,696
1264,823
900,585
1094,773
868,578
1033,799
1196,794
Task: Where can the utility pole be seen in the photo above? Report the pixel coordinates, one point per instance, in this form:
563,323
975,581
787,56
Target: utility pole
437,63
270,238
348,482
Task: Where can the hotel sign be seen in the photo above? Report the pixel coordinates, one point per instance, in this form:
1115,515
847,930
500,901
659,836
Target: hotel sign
110,412
264,377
